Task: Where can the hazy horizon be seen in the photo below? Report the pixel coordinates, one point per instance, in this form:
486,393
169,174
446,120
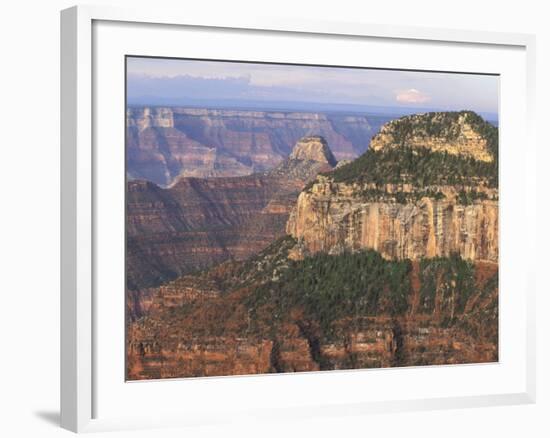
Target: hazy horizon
180,82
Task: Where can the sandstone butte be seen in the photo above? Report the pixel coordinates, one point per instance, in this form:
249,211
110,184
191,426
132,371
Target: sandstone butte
201,325
313,148
337,216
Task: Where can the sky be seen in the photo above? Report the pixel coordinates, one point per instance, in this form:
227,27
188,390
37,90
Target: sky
178,81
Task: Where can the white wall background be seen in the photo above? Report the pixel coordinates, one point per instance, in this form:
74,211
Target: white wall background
29,216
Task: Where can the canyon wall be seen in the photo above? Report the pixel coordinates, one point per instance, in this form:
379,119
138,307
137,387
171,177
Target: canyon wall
334,217
389,200
164,143
200,222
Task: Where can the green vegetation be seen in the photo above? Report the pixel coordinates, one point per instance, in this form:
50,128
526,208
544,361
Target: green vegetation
417,166
487,131
379,195
438,124
422,167
330,287
446,285
442,125
481,321
267,263
324,289
468,197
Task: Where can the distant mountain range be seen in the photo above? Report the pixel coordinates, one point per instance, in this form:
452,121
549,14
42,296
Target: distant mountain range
290,106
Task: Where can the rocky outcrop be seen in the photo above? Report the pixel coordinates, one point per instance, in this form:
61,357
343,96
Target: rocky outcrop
334,217
150,118
165,143
313,148
342,163
453,133
354,208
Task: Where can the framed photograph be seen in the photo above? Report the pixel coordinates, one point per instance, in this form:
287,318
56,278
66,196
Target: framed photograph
288,218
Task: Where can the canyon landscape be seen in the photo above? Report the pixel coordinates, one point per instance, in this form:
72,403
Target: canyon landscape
281,241
165,143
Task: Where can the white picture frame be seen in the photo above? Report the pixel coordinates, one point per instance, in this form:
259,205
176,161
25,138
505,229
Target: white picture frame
80,166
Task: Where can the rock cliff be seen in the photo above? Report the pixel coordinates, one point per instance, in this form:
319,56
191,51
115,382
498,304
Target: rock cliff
355,207
165,143
335,217
197,223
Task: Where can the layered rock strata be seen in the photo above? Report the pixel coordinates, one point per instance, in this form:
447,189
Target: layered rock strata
334,217
313,148
195,330
407,219
197,223
165,143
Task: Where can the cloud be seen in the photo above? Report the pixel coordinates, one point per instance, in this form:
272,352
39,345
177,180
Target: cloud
412,95
167,80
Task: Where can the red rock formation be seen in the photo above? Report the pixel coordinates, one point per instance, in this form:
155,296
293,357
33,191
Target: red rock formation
197,223
196,329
